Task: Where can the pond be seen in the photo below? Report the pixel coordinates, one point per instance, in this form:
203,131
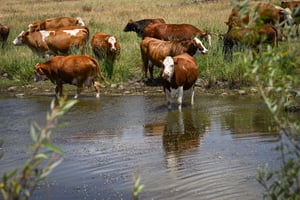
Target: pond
209,151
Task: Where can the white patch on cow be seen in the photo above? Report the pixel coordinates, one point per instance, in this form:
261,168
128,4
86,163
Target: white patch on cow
18,39
72,32
112,40
168,68
199,42
80,22
45,34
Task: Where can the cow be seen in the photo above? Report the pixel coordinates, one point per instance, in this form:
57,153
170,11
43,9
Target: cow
251,37
294,6
55,23
267,13
54,42
4,32
106,48
153,50
175,32
180,73
236,18
79,70
139,26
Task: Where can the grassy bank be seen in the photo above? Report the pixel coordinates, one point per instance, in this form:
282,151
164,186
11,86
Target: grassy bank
111,17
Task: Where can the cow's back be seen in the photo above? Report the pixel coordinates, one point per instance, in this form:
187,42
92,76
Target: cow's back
186,72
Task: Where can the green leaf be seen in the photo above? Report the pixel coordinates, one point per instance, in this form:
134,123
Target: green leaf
53,148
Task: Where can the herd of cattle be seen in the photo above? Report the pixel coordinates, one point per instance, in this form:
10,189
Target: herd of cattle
171,47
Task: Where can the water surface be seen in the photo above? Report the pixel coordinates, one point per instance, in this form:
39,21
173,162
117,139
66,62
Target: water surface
209,151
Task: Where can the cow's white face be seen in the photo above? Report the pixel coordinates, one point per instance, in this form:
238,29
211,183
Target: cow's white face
18,40
168,68
80,22
112,43
201,48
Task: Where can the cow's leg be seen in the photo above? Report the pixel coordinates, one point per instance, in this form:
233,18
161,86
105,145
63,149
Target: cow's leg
180,97
97,88
192,94
169,98
79,89
151,66
58,90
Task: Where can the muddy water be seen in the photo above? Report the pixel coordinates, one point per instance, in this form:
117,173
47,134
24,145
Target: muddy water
210,151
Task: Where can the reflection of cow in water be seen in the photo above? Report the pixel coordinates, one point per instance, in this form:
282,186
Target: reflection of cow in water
183,131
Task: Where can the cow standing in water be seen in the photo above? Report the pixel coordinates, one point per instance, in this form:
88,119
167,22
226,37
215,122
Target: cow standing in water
154,50
79,70
180,73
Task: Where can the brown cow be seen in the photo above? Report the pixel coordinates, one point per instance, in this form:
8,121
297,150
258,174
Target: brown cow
139,26
175,32
250,37
180,73
105,46
237,19
79,70
4,32
154,50
54,42
55,23
267,13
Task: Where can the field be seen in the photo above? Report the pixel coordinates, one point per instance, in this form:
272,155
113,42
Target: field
16,62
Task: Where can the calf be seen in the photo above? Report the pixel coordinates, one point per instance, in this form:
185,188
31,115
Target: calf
249,37
79,70
54,42
175,32
237,19
55,23
4,32
139,26
180,73
154,50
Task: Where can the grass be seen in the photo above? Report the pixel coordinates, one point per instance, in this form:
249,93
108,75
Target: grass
111,17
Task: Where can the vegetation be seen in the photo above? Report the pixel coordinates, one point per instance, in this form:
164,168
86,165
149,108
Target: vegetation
111,17
20,184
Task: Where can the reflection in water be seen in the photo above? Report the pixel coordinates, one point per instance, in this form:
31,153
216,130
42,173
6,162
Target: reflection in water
210,151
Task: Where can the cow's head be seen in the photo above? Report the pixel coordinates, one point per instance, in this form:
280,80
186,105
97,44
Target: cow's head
80,22
200,47
39,74
19,39
131,26
168,70
112,43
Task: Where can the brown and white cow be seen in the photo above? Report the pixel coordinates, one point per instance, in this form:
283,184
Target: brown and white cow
139,26
4,32
105,46
154,50
175,32
79,70
55,42
55,23
180,73
252,38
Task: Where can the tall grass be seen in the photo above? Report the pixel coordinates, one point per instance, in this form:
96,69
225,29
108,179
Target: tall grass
111,17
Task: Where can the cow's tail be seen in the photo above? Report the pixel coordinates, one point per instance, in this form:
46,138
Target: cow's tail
99,71
276,35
